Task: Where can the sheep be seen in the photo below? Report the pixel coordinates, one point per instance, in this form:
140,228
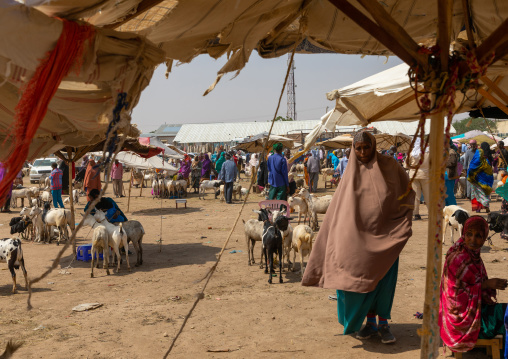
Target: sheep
316,205
455,217
272,242
11,253
221,193
299,183
303,209
244,191
253,229
208,184
301,243
100,242
116,235
300,168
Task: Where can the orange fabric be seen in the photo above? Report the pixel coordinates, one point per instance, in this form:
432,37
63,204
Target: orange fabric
92,179
39,91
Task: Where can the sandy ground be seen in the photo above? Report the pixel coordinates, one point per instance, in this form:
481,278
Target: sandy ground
143,309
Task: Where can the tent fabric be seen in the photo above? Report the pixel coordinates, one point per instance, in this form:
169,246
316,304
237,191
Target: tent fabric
80,111
154,141
133,160
255,144
186,29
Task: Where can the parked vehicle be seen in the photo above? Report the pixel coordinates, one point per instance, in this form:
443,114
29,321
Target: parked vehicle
41,167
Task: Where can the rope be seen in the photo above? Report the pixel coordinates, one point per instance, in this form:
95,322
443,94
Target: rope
211,271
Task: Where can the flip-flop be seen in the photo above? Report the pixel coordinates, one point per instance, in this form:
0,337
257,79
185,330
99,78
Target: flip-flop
332,297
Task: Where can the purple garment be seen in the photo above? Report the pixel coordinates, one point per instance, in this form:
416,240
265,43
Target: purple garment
185,169
2,175
205,165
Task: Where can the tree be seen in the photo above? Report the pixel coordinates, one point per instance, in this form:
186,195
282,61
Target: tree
280,118
476,124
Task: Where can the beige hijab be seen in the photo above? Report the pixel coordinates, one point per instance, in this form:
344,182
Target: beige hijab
365,227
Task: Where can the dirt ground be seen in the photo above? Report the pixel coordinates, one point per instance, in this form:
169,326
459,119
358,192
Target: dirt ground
143,309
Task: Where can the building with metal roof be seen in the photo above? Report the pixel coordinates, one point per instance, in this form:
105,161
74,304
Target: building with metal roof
166,133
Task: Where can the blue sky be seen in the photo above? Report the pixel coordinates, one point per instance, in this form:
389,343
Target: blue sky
253,94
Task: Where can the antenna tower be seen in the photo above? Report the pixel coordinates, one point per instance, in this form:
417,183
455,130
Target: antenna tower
291,111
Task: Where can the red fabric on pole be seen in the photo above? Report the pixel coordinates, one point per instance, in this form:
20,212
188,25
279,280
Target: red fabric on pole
39,91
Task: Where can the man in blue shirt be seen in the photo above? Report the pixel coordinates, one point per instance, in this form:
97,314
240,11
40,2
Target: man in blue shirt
228,174
343,163
278,174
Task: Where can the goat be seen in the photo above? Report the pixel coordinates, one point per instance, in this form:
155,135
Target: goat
272,242
222,197
301,243
36,215
327,172
155,188
287,236
20,193
208,184
237,190
244,191
10,252
100,242
117,235
58,217
300,168
46,197
75,197
135,233
316,205
253,229
20,225
303,209
454,217
299,183
181,185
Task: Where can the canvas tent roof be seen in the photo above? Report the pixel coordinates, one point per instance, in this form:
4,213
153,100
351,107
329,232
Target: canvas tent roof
133,160
80,111
185,29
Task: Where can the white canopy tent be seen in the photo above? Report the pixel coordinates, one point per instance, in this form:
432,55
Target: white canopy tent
170,152
133,160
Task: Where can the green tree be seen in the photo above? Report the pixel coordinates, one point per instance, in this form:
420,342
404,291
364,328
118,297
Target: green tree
476,124
280,118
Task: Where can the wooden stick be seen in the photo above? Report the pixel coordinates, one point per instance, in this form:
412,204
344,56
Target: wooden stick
444,26
142,182
393,29
130,187
429,333
491,43
142,7
495,89
494,100
483,99
374,30
71,198
467,20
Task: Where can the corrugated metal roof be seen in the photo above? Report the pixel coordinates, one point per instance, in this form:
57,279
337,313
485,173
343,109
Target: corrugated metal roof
226,132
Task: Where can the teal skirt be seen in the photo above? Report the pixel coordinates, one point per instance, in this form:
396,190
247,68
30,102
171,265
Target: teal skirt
352,308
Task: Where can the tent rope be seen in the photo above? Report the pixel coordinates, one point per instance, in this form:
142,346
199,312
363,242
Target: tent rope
211,271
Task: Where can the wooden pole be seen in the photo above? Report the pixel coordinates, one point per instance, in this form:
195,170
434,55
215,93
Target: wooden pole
130,187
71,199
430,338
142,182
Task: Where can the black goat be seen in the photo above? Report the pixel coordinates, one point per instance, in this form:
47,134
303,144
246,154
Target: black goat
20,225
272,242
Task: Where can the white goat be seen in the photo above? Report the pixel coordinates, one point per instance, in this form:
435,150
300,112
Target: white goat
100,242
327,172
117,235
155,188
181,185
303,209
46,196
302,243
208,184
237,190
253,229
58,217
454,217
316,205
75,197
